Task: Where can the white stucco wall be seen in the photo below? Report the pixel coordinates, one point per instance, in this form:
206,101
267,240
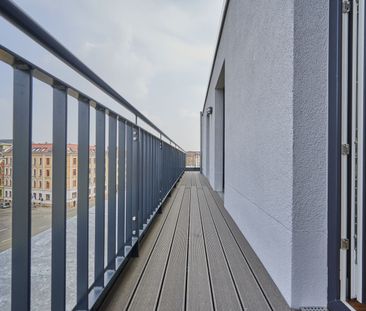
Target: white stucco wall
275,55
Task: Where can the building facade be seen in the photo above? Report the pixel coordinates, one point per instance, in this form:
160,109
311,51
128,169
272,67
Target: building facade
282,138
42,174
4,145
193,159
1,179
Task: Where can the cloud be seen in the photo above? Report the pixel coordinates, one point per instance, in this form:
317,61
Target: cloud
157,54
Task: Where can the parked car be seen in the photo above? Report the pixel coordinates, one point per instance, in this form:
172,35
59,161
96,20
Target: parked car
5,205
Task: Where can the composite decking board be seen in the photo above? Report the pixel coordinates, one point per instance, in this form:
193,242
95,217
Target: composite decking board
223,288
188,180
199,296
269,288
172,296
148,289
215,267
125,285
198,180
183,180
193,180
248,289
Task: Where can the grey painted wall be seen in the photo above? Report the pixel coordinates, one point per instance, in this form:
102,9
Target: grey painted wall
275,55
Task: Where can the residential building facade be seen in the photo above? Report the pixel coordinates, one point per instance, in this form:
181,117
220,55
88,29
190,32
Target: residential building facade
4,145
282,132
193,159
1,179
42,174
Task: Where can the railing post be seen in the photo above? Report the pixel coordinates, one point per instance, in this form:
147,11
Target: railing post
144,182
135,190
22,165
99,197
121,187
59,159
112,192
140,181
129,186
149,167
83,205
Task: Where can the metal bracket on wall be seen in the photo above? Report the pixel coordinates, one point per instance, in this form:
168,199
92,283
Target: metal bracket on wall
345,244
346,6
345,149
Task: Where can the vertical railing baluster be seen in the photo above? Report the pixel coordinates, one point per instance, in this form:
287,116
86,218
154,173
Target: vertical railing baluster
140,182
21,210
160,171
135,186
99,197
121,186
83,205
129,186
112,192
59,159
154,171
145,214
150,177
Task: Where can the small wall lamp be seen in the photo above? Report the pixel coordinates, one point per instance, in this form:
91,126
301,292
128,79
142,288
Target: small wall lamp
209,110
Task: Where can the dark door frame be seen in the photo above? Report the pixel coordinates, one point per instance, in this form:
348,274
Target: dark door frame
334,157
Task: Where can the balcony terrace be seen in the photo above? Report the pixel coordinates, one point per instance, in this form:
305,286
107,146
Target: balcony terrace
156,237
194,257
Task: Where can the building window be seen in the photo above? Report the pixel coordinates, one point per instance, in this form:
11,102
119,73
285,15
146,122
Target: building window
1,193
40,172
48,185
34,173
74,161
40,196
40,161
34,161
34,184
48,197
9,194
48,173
6,171
6,194
74,183
74,172
34,195
48,161
74,195
40,184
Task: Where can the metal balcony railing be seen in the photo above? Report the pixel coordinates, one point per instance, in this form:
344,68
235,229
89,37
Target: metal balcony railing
143,168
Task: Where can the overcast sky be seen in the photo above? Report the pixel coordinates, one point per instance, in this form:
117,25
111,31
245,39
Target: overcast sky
155,53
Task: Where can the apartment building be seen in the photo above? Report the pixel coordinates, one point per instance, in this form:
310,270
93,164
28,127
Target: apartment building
193,159
42,174
4,144
1,179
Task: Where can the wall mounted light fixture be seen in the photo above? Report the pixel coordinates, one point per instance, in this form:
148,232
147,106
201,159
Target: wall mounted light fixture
209,111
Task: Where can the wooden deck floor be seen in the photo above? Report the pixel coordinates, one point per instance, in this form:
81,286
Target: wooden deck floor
194,257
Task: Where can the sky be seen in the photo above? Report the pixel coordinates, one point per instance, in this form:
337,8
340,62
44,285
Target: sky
156,54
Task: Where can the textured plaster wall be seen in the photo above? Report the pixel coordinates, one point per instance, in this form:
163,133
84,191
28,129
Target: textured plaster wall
309,216
275,55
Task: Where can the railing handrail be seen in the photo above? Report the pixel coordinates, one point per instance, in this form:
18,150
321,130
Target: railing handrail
13,59
26,24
